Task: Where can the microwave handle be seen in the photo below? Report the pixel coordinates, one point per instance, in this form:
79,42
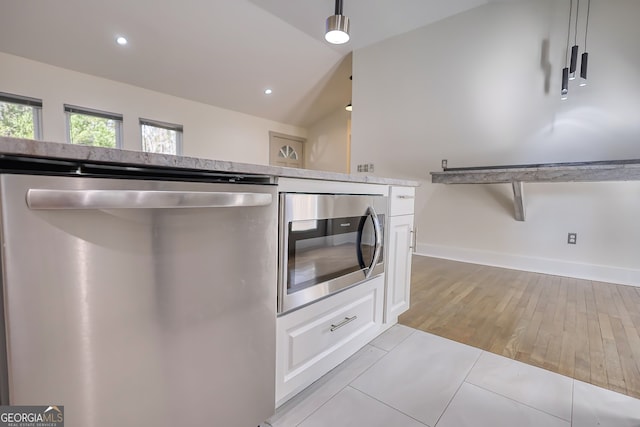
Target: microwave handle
378,245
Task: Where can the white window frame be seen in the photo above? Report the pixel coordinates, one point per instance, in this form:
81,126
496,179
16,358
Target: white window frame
117,118
34,103
179,129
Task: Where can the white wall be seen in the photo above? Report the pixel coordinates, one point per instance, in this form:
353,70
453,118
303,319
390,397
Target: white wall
209,132
472,89
327,145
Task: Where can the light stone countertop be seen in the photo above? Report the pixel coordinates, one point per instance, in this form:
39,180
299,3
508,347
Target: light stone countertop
63,151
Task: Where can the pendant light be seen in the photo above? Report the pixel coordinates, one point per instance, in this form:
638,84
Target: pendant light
573,65
585,55
349,107
337,30
564,92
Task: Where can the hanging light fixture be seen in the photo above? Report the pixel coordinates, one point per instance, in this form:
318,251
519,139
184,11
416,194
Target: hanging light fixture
573,65
564,92
337,31
349,107
585,55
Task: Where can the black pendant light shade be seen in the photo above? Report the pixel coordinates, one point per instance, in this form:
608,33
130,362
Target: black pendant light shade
583,69
564,93
573,64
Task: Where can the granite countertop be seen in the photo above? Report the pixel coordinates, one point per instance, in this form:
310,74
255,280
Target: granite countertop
63,151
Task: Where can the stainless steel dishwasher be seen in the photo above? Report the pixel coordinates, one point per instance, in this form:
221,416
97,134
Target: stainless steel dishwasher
139,302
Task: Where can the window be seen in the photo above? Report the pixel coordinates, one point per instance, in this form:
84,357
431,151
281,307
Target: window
288,152
20,116
160,137
92,127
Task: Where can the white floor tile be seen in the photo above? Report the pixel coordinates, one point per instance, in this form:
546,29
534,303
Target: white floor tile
419,376
541,389
317,394
351,408
475,407
596,407
392,337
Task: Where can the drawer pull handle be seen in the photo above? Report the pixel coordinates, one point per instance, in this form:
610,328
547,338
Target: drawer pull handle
344,322
403,196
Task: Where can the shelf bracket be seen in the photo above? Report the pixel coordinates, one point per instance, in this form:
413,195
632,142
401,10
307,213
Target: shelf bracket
518,200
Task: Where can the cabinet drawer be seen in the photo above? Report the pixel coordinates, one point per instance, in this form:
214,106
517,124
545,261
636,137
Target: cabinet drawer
316,338
402,201
326,332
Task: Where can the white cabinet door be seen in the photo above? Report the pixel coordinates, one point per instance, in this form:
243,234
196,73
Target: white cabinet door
400,246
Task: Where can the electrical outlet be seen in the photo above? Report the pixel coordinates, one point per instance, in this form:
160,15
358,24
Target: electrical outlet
572,238
367,167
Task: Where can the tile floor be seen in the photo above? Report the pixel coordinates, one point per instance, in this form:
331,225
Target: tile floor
409,378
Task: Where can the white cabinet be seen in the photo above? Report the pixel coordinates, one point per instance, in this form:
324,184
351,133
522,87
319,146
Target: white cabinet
314,339
399,267
400,245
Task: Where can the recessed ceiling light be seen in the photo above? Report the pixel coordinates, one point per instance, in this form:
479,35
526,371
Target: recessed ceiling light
121,41
268,91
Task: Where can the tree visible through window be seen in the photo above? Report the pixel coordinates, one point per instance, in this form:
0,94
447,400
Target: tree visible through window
160,137
20,117
95,128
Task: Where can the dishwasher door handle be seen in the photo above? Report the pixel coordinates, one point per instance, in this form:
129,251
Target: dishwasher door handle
45,199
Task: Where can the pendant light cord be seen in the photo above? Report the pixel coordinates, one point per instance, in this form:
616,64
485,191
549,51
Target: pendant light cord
566,56
338,7
586,28
575,34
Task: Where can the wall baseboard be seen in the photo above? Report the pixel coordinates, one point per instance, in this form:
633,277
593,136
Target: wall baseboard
599,273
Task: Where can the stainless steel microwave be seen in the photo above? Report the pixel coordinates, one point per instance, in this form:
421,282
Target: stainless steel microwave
327,243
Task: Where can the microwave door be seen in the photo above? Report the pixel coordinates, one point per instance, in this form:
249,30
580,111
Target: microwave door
369,242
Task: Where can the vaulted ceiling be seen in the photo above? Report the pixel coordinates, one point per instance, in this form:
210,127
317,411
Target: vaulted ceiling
223,53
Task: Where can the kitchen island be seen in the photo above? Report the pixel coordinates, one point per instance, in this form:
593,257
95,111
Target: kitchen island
307,342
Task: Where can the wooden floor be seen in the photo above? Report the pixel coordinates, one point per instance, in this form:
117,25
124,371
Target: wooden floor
583,329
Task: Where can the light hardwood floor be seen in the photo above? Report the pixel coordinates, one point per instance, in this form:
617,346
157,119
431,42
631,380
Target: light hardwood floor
583,329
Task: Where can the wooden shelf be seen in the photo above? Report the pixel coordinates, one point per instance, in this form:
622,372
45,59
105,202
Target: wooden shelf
517,175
